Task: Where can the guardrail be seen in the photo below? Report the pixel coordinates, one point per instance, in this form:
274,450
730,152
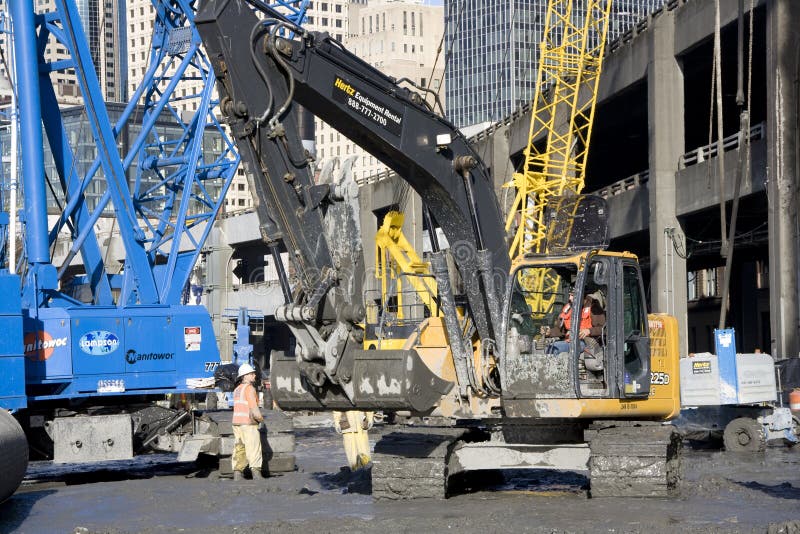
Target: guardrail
371,179
706,152
626,184
641,26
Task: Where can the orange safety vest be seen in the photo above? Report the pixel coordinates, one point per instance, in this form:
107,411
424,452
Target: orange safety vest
586,318
566,318
241,408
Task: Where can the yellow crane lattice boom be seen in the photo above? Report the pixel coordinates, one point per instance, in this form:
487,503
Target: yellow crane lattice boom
563,111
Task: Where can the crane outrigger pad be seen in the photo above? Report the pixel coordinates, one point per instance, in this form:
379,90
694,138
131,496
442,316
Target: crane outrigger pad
369,380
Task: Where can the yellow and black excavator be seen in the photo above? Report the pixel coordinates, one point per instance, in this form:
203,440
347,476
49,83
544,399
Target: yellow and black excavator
568,74
489,374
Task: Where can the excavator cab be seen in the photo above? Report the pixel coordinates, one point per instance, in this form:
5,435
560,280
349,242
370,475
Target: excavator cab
577,329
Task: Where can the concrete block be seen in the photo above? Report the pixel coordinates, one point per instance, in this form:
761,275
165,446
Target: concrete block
281,463
95,438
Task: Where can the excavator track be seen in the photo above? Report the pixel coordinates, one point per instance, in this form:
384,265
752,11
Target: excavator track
634,459
413,463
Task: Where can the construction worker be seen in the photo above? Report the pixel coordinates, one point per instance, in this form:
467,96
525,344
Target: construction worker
354,426
246,419
564,323
592,336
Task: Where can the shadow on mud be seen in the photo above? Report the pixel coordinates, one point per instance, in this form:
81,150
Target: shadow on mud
529,480
780,491
347,481
18,507
112,471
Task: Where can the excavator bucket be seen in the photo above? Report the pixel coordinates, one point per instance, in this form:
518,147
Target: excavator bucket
388,380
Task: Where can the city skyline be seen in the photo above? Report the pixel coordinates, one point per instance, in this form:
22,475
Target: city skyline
492,51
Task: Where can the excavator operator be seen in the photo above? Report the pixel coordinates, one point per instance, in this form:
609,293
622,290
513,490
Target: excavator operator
563,325
592,321
592,339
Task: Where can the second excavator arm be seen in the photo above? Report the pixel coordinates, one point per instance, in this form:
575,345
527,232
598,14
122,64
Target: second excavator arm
266,68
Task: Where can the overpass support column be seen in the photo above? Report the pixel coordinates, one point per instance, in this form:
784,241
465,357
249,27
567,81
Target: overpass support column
666,127
502,168
783,167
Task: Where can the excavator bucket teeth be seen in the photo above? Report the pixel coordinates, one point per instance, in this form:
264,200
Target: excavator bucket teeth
376,380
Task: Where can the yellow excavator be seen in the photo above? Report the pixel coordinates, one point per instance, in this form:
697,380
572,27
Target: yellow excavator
562,116
501,392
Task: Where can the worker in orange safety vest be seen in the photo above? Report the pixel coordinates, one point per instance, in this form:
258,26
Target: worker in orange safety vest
564,323
246,419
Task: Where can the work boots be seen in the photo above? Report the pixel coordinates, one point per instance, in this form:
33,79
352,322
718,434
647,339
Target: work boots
238,476
258,475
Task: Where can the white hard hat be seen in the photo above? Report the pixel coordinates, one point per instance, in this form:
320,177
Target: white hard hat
245,369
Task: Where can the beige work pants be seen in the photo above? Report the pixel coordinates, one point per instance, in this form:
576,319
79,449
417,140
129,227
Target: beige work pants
247,447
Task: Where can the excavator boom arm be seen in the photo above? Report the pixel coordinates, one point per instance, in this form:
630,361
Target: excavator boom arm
264,75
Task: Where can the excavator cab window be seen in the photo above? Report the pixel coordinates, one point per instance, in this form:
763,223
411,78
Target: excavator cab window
538,297
636,341
538,350
594,346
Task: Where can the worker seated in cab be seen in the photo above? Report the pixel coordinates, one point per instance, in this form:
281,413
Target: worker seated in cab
590,329
592,340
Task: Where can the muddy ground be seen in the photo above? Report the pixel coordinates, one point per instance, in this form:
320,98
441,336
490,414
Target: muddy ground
723,492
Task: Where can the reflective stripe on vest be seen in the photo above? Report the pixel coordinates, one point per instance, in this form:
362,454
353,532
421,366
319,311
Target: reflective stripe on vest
241,409
586,318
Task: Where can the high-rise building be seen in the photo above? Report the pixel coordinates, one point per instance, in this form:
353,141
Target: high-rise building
492,50
140,15
104,25
114,69
400,38
329,16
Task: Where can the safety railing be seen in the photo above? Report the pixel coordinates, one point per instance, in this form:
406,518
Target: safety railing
641,26
706,152
402,309
371,179
621,186
235,213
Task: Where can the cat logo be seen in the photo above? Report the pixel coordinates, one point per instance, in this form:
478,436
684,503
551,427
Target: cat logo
40,345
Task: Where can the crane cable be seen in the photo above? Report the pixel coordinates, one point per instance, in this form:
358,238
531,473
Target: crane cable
743,169
720,131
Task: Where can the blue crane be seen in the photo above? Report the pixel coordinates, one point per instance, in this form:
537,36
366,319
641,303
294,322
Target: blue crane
125,337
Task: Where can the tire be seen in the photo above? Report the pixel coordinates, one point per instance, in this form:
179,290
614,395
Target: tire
744,435
13,455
